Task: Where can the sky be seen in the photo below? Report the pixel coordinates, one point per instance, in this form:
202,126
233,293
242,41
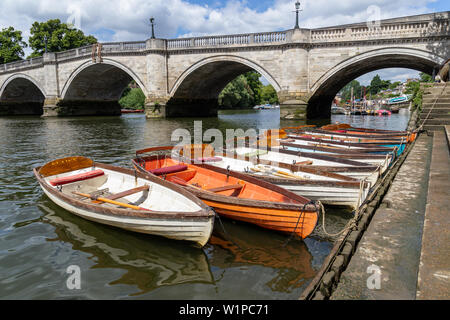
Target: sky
128,20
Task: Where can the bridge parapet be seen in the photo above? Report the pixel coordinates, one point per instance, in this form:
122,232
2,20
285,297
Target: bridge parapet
363,32
228,40
399,28
33,62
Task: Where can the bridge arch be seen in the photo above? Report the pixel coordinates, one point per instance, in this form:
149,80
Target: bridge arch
200,84
94,88
21,94
105,80
328,85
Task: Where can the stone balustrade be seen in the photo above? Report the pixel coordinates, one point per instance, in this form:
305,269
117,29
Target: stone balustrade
410,27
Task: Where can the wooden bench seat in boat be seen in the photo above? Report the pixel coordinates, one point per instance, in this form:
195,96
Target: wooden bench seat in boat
225,188
76,177
169,169
128,192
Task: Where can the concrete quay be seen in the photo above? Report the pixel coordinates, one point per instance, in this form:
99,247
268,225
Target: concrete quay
403,254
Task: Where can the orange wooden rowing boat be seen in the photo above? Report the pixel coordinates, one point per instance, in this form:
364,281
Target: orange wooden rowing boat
349,130
235,195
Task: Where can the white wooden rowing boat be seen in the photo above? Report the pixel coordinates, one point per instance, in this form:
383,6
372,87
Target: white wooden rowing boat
126,199
330,189
277,154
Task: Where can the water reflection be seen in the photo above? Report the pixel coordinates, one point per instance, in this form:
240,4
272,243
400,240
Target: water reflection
38,240
149,262
245,245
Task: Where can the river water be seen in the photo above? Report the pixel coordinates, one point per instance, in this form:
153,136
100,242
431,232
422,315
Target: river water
39,241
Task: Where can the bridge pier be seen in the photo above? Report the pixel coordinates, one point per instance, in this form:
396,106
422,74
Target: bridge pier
54,107
293,105
176,107
12,108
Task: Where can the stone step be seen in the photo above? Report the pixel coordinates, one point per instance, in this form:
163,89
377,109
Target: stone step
437,87
436,121
433,127
432,115
438,100
436,105
437,95
435,109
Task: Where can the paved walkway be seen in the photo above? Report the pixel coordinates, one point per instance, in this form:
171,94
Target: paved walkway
434,272
392,243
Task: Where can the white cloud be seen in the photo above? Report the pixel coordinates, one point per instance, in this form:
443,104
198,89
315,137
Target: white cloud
393,74
128,20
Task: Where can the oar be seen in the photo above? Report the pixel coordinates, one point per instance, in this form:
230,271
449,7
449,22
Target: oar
278,173
126,205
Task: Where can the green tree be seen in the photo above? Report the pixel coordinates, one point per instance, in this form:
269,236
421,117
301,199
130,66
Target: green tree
237,94
256,86
269,95
424,77
11,45
132,98
346,91
60,37
394,85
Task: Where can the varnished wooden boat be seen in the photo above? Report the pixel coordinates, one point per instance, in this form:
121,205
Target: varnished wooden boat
361,136
234,195
334,146
322,160
347,127
328,187
126,199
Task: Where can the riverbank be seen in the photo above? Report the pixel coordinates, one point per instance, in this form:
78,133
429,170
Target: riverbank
406,244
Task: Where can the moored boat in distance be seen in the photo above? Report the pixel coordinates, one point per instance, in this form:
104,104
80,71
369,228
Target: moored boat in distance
125,199
233,195
132,110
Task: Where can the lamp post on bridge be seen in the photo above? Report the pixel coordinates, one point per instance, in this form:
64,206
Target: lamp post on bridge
297,9
152,20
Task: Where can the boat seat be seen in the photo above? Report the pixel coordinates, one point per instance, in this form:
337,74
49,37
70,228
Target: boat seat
169,169
76,177
128,192
225,188
208,159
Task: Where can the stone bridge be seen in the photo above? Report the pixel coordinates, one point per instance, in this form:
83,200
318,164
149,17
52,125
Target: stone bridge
184,76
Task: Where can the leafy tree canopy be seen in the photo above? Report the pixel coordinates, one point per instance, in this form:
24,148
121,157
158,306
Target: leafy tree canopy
246,91
424,77
11,45
60,36
269,95
346,91
132,98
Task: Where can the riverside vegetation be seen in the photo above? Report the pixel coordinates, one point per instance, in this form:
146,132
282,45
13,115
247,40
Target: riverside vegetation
244,92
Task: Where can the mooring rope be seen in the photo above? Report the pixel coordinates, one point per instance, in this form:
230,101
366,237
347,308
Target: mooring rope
351,224
302,215
227,236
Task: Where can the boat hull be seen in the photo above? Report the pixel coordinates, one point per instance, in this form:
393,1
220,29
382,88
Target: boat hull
315,184
188,218
298,218
197,231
